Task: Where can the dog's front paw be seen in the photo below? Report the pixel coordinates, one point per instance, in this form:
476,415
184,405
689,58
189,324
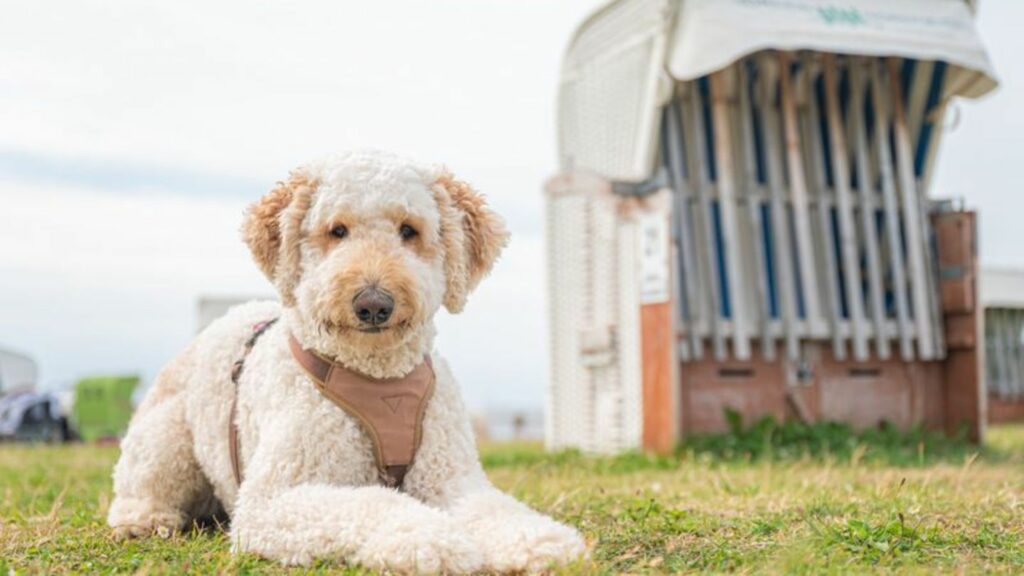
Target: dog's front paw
134,518
531,544
421,550
559,544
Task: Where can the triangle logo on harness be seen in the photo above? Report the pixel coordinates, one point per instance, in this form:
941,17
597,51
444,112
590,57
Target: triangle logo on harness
393,402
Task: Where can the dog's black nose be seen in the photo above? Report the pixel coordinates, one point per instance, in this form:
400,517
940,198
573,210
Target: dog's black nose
373,306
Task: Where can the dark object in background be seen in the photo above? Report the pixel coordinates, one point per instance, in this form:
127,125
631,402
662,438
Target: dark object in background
33,417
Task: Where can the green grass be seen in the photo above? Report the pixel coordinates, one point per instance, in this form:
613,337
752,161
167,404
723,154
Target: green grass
765,499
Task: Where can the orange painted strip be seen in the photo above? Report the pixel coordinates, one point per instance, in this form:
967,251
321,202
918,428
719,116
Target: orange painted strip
657,337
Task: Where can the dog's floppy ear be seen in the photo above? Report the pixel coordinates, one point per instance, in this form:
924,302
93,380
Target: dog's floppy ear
261,228
268,221
473,237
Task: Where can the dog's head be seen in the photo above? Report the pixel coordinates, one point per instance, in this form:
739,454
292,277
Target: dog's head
367,246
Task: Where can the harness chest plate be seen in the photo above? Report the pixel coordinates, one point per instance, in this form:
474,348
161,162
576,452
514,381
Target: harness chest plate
390,410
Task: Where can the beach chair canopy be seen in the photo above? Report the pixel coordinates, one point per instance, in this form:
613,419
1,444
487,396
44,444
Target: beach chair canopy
623,61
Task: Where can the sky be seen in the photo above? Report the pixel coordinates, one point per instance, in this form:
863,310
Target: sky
134,133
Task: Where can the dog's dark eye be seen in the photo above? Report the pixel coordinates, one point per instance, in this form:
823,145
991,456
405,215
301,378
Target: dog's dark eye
408,232
339,231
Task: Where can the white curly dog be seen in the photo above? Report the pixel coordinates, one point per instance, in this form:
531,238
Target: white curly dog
417,238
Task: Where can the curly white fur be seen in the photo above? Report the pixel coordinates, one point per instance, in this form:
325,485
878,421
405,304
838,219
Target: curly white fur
310,484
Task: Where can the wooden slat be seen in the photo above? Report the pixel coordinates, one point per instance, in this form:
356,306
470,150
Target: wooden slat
772,142
798,194
726,163
1002,358
911,218
1012,355
919,85
993,341
866,195
1017,319
891,207
749,183
1012,377
1002,355
695,120
1013,352
697,298
685,280
826,244
847,230
922,85
991,366
1018,330
936,116
935,315
1002,371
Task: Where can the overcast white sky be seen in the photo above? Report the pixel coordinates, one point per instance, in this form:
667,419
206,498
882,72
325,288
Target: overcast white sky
132,135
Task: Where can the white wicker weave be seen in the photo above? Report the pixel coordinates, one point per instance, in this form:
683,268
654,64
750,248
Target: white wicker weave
593,399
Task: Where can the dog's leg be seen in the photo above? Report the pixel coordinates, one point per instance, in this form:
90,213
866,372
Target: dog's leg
447,474
283,516
374,527
511,536
157,481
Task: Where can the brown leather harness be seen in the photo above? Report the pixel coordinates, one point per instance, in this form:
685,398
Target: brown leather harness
236,373
389,410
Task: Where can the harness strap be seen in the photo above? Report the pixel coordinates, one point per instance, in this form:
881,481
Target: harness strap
390,410
236,373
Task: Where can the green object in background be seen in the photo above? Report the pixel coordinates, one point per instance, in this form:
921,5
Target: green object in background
103,406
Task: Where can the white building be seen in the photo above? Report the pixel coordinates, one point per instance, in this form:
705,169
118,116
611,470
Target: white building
17,372
1002,295
209,308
